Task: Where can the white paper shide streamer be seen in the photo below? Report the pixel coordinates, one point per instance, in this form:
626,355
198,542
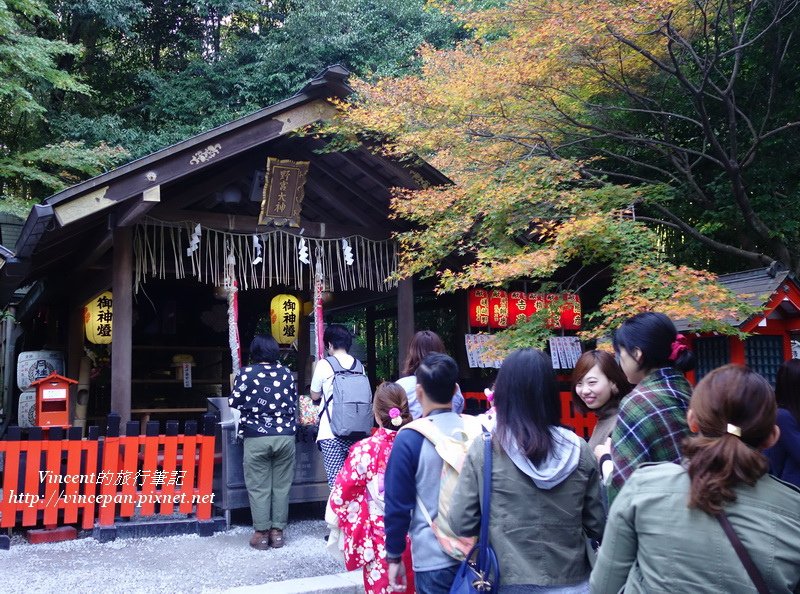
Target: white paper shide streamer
258,261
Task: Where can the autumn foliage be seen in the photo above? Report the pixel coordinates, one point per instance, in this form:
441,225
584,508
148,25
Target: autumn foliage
507,114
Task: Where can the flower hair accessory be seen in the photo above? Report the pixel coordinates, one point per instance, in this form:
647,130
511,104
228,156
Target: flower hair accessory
734,430
679,345
489,395
395,416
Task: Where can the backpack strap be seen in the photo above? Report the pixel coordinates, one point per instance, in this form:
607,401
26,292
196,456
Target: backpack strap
335,365
428,430
356,367
424,511
337,368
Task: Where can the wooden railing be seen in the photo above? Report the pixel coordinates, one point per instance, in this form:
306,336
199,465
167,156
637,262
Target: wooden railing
580,423
55,479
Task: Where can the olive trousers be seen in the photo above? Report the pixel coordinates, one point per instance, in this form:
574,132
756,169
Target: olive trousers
268,475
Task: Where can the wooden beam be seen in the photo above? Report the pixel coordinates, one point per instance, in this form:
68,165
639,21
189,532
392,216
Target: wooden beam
249,224
379,207
91,284
405,318
367,169
177,197
121,353
131,214
175,162
337,203
98,251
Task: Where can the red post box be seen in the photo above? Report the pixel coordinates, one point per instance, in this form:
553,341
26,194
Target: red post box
52,400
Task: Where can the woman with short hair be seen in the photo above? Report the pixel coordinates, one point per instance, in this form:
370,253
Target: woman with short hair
665,529
264,392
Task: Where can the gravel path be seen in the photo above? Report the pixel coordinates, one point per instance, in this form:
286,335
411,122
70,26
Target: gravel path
170,564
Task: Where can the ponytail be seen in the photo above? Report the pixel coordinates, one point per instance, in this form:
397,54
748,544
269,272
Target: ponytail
391,397
716,466
654,334
735,411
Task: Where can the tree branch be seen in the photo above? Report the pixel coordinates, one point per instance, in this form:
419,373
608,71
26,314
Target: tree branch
758,258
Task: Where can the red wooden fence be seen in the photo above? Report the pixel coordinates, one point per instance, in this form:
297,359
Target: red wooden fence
53,481
578,422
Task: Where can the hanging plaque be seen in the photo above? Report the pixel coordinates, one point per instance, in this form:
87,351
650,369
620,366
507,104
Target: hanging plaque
284,189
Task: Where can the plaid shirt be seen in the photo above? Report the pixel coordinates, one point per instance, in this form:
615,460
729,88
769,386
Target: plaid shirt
651,425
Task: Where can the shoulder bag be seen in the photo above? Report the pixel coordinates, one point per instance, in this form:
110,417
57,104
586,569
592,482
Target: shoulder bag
480,572
741,552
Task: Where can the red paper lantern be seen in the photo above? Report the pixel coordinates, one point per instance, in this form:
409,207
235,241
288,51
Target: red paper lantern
570,317
478,303
519,307
553,304
498,309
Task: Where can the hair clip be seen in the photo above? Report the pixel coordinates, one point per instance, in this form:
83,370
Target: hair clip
396,417
489,395
679,345
734,430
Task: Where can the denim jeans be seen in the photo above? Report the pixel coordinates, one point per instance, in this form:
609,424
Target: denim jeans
437,581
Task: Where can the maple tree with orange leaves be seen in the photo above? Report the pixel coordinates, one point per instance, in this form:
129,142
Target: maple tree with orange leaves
613,133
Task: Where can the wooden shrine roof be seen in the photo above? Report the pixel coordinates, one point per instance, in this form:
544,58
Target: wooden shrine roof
755,288
70,233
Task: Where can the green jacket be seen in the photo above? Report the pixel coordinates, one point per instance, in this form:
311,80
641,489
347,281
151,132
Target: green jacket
539,535
654,543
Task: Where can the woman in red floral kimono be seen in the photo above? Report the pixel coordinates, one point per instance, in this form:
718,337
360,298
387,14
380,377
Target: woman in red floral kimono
357,495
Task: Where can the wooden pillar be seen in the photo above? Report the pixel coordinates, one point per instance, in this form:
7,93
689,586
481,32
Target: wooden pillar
405,319
371,360
459,349
122,332
74,352
304,353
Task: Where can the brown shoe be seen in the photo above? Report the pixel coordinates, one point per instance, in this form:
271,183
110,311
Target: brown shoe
260,540
276,538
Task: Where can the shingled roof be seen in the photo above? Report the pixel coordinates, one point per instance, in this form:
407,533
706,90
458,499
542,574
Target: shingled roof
753,287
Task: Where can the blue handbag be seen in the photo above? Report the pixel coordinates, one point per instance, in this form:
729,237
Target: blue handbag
480,572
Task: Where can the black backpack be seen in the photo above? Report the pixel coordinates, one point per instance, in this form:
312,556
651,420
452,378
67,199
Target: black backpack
351,398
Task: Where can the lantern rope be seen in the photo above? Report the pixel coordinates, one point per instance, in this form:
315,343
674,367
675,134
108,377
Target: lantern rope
161,252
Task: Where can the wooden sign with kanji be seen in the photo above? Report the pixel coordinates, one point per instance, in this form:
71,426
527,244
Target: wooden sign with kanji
284,190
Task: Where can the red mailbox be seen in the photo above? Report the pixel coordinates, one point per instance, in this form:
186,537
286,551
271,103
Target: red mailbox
52,400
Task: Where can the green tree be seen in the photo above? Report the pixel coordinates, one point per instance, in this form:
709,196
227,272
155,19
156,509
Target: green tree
166,70
588,135
29,75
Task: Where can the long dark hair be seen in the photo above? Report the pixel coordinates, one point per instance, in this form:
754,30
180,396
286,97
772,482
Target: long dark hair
653,334
526,399
718,460
787,387
610,368
422,344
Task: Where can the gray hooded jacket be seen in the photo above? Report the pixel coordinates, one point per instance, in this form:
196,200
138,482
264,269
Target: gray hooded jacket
540,514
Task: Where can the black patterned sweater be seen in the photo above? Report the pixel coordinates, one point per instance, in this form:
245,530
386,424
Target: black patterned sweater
266,396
